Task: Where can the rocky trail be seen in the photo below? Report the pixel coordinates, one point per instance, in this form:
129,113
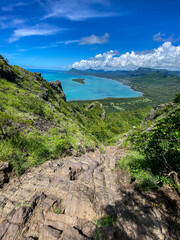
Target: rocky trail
62,199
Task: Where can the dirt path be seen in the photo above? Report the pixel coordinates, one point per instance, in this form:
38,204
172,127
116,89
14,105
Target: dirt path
60,200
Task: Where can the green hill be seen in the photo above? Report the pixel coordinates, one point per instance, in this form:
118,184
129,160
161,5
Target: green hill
37,124
158,86
154,148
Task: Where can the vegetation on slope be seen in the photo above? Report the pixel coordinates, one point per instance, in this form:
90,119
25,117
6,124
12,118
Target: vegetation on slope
157,86
37,124
155,155
79,80
107,129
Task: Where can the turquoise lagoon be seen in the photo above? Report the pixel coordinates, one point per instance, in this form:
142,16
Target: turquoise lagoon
94,87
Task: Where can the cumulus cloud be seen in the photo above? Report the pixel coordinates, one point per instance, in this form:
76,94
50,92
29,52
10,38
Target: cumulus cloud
93,39
39,29
160,37
166,56
77,10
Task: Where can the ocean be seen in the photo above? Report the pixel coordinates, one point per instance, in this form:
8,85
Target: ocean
93,89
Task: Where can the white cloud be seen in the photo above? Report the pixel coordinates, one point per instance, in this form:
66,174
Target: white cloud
39,29
53,45
10,22
12,6
166,56
160,37
77,10
93,39
68,42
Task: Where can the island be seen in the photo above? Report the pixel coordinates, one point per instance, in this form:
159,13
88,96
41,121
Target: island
79,80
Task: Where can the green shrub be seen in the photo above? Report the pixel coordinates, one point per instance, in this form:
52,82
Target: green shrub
138,166
177,98
106,221
157,151
58,208
161,144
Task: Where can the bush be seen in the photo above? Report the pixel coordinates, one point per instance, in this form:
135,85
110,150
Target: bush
157,152
161,144
177,98
137,165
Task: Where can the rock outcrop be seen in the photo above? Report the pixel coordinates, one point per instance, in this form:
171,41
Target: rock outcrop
57,87
7,72
62,199
4,169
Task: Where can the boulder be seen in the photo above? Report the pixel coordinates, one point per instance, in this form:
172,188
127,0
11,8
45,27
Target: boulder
50,233
4,168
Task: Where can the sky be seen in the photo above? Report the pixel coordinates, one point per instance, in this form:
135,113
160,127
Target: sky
97,34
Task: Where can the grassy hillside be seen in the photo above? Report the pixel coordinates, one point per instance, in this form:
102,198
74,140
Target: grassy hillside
154,148
37,124
157,86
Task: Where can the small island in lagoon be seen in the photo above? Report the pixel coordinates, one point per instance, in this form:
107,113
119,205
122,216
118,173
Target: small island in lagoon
79,80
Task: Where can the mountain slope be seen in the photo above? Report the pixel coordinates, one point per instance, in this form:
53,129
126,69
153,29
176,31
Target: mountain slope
154,154
81,198
86,196
36,123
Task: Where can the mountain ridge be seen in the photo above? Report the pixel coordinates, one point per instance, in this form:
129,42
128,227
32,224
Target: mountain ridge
138,72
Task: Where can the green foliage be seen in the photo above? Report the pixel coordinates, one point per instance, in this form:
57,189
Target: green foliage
24,204
32,129
139,168
114,124
36,124
157,87
79,80
113,105
136,164
58,209
157,150
10,125
161,144
106,221
34,105
177,98
5,121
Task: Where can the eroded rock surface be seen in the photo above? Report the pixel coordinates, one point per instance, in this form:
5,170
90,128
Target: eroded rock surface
4,168
60,200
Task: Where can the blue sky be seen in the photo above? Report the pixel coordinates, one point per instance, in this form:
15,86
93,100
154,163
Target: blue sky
107,34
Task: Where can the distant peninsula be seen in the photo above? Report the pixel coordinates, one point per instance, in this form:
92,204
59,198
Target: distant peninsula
79,80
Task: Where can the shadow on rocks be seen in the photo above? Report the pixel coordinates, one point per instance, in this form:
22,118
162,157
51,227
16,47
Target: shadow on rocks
140,215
